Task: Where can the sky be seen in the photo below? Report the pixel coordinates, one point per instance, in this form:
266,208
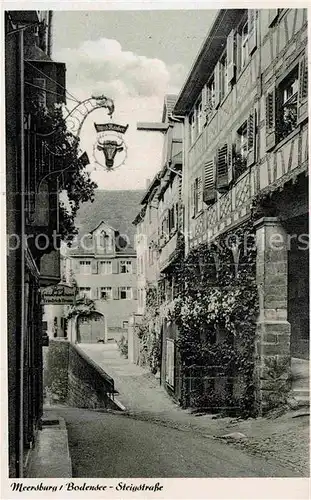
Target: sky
134,57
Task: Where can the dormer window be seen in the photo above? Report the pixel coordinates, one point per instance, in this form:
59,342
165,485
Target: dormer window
104,241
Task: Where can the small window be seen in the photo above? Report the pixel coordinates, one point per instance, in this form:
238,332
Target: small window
288,99
125,293
126,267
106,292
125,324
85,266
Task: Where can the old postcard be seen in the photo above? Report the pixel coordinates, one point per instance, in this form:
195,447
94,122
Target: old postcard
157,251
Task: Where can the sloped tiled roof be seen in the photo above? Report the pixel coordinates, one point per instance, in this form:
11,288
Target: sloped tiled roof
115,208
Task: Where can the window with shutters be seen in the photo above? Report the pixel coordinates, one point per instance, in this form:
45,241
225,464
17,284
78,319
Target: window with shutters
199,116
224,174
287,95
106,292
126,267
192,125
241,150
196,196
104,242
105,267
209,194
244,45
126,293
196,120
85,292
223,80
85,266
210,98
252,21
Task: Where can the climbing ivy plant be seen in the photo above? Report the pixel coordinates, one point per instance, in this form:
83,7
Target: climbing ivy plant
148,332
215,312
83,306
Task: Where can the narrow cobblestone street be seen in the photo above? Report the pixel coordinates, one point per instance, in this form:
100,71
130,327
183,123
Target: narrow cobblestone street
111,445
283,440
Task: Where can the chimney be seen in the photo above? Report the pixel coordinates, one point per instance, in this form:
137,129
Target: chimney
147,183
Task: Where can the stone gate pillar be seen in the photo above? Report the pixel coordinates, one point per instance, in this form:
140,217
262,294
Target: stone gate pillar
273,329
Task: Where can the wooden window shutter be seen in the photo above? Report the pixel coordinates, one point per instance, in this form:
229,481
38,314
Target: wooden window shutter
204,103
238,42
135,293
94,266
209,194
115,293
273,14
302,111
217,84
231,61
115,266
76,266
252,30
222,168
192,204
251,138
134,266
230,164
200,194
270,120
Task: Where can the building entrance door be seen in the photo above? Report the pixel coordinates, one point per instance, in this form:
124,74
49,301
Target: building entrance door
91,329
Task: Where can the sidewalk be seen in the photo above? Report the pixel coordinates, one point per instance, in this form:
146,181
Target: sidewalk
285,438
50,457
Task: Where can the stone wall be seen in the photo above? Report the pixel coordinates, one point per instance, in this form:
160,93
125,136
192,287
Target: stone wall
72,378
55,370
88,385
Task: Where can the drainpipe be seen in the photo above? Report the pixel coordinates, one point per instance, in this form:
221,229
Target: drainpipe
23,250
50,41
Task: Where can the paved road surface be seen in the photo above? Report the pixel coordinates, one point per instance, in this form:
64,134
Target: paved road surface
109,445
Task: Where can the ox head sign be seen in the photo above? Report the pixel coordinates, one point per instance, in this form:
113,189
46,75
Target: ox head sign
110,145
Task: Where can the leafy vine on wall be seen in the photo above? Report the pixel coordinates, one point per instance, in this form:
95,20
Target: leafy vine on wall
216,311
148,332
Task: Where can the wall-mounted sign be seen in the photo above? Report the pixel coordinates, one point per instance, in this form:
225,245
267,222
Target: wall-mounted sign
105,127
61,294
110,145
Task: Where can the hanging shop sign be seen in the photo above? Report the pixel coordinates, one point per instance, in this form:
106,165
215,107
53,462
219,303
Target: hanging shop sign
60,294
110,147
